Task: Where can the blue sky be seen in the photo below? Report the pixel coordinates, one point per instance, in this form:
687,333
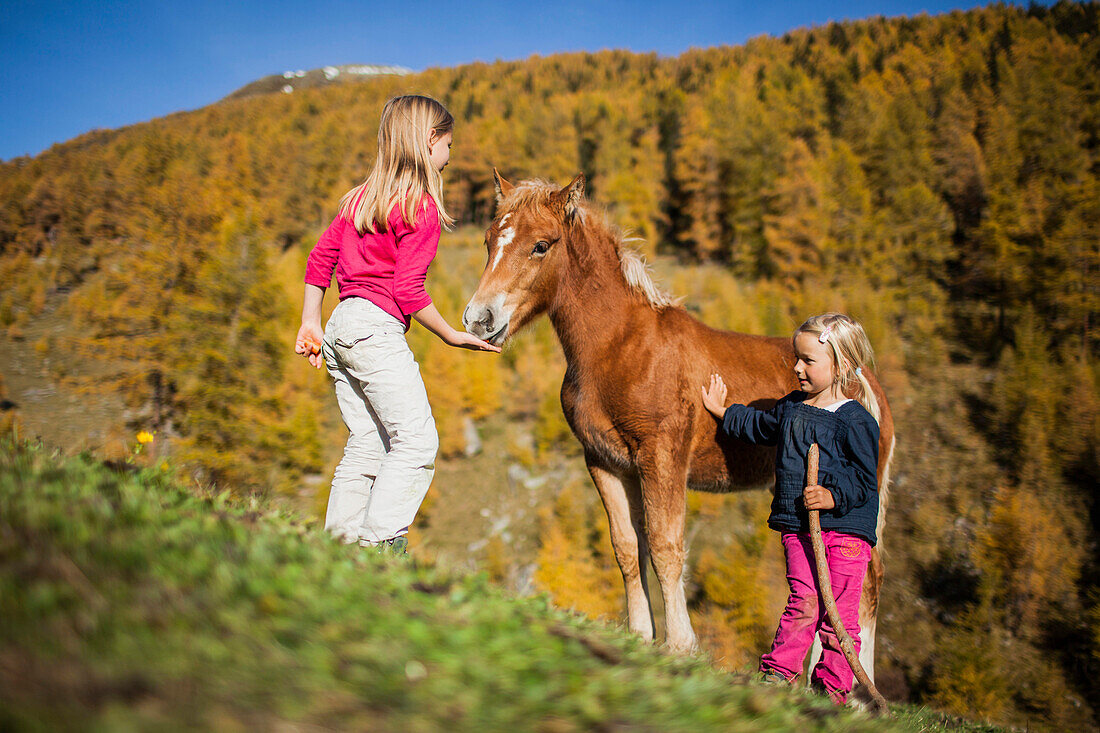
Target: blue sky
69,67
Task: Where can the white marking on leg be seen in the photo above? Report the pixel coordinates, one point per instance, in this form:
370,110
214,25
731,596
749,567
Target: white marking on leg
815,657
639,613
867,647
678,632
503,241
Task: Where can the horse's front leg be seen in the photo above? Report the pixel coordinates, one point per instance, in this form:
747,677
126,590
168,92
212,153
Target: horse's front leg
663,468
622,501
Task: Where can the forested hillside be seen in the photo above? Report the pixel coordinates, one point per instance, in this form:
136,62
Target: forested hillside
935,177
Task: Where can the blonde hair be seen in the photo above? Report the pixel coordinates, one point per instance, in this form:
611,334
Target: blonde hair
851,352
403,172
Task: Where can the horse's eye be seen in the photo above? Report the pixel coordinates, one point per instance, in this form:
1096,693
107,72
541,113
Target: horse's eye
540,247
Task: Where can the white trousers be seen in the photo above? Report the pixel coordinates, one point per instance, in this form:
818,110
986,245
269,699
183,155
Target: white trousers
389,459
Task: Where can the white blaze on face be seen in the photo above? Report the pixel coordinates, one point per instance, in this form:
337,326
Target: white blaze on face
503,240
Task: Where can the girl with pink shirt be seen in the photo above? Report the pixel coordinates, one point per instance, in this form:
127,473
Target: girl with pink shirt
380,246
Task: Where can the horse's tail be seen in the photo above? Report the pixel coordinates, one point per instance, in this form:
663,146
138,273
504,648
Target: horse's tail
884,491
876,572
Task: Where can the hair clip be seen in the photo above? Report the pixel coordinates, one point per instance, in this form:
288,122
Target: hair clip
825,334
859,371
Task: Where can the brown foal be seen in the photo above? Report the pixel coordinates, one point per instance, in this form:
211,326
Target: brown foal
631,392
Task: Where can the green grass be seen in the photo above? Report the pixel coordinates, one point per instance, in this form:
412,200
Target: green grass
129,602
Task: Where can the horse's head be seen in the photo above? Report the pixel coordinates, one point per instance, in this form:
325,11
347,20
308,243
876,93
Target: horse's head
526,256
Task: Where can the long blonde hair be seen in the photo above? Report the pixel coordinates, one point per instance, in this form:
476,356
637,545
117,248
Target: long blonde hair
403,172
851,351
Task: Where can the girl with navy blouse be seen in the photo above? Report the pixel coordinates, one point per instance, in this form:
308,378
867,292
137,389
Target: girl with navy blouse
832,350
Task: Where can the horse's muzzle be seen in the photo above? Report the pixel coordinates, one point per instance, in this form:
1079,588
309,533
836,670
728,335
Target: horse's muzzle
486,322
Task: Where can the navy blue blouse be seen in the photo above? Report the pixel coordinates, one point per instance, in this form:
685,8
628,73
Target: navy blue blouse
848,464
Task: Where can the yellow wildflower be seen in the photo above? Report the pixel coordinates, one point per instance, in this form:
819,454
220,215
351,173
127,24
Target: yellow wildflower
144,437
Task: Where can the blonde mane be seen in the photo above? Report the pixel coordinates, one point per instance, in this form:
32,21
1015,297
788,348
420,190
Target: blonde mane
636,272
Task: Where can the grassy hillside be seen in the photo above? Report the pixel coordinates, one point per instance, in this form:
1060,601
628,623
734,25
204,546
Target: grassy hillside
132,603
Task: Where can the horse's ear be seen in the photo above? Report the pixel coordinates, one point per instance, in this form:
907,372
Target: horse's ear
569,197
501,186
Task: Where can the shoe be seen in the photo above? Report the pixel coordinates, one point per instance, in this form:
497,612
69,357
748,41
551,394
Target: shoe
394,546
771,677
839,697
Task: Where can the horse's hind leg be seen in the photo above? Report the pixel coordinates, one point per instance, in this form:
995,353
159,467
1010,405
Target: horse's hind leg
623,503
868,612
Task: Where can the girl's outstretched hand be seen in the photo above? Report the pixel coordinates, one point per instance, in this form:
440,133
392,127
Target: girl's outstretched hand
464,340
714,396
308,343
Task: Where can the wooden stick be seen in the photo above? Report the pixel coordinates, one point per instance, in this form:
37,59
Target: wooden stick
826,586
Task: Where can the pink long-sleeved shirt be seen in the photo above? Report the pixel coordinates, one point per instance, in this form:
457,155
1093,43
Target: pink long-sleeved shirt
387,268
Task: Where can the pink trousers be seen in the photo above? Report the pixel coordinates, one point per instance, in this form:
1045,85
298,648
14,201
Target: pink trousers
805,615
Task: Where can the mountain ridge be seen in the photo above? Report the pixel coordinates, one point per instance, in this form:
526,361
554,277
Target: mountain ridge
291,81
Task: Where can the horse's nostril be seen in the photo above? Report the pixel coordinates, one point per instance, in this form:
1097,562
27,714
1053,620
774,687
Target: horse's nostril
478,320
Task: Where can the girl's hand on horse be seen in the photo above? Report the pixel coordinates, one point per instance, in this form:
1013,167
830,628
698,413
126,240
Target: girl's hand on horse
463,340
714,396
308,343
818,497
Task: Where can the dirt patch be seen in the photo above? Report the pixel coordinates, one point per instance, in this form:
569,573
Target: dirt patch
45,407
